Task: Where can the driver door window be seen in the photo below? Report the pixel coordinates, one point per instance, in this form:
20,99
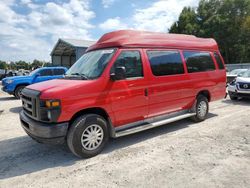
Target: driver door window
45,75
131,60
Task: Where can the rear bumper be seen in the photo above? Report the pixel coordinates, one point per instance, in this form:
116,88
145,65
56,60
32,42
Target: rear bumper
44,132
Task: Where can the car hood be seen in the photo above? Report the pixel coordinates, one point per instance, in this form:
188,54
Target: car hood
60,88
242,79
17,78
231,75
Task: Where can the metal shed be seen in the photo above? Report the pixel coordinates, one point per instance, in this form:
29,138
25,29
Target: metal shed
67,51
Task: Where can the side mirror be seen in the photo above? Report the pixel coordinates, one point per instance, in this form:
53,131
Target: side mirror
37,74
119,74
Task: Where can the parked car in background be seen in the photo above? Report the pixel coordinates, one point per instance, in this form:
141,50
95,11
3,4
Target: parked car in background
14,85
6,73
22,72
2,73
234,73
129,81
240,86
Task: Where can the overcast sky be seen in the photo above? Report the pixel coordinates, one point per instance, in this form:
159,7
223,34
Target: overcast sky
30,28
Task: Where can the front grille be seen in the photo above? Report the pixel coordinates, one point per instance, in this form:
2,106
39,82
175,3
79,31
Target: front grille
30,101
244,85
35,108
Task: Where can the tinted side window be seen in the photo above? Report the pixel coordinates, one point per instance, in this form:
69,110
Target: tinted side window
218,60
165,62
198,61
46,72
131,60
59,71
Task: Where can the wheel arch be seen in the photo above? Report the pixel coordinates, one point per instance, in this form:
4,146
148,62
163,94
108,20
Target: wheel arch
95,110
205,93
21,84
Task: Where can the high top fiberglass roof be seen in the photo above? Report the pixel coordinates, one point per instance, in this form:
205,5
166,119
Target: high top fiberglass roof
132,38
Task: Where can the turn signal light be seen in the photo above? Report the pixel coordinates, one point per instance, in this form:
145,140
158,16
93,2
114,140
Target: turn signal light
52,103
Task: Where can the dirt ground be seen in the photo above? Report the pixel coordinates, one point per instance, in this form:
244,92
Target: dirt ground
213,153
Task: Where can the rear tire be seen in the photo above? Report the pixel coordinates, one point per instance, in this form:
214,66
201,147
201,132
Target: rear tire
17,92
201,109
88,135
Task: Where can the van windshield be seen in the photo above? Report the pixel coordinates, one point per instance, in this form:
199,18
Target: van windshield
91,64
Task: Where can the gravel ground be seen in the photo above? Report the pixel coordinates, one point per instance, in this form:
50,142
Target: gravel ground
213,153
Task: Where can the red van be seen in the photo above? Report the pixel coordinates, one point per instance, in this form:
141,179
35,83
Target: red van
127,82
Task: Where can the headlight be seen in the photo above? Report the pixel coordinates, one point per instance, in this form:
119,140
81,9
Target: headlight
50,110
233,83
9,81
49,115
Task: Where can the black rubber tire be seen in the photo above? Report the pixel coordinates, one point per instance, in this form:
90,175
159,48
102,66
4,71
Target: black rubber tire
197,117
18,91
232,97
76,130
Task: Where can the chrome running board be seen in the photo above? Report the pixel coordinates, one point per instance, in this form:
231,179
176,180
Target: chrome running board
146,126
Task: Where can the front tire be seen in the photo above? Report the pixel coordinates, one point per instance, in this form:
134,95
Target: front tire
232,96
17,92
201,109
88,135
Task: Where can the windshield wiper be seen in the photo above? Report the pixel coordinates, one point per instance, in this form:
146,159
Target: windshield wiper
83,76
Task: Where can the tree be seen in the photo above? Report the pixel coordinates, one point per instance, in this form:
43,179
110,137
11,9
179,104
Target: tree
36,63
3,65
225,20
187,22
22,65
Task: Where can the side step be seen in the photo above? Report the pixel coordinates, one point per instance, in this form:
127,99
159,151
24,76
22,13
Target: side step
151,125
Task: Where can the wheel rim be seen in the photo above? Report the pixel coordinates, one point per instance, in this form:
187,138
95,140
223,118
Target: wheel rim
19,93
202,109
92,137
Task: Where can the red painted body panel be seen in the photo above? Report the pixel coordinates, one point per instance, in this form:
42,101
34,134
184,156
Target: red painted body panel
134,39
125,101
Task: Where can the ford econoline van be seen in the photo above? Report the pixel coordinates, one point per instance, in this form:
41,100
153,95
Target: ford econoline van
128,81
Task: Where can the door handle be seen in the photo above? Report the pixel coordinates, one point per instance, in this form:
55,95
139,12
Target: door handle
146,92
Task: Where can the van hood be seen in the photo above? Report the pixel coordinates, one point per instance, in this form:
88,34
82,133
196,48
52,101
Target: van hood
242,79
59,88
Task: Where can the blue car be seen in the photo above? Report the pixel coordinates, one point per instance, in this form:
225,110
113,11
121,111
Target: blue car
14,85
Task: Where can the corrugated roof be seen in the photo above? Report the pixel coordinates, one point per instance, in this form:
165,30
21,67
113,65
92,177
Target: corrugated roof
78,43
67,46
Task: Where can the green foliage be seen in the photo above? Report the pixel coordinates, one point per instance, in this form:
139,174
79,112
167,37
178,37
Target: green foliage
187,22
227,21
23,65
3,65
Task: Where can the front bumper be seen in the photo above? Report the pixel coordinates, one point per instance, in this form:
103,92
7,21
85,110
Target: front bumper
4,88
236,92
50,133
241,95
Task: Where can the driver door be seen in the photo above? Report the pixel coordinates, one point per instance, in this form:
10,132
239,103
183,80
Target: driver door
129,102
45,74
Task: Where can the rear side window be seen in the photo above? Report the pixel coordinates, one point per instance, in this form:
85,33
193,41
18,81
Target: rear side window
165,62
46,72
131,60
59,71
218,60
198,61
